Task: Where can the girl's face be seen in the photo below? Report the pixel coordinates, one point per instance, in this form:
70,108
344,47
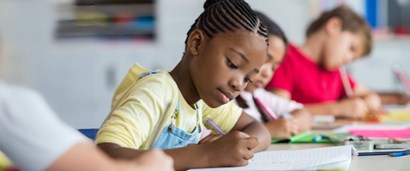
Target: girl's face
276,52
341,49
225,64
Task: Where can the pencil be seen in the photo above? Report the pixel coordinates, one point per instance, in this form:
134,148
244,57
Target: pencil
269,111
346,83
213,124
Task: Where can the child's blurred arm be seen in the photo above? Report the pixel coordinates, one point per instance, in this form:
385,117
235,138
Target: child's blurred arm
85,156
350,107
253,128
184,158
393,98
280,92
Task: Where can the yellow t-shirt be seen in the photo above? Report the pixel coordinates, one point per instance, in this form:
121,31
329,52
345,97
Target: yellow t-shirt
4,161
137,107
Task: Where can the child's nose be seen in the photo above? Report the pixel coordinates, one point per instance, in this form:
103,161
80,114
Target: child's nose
237,84
264,73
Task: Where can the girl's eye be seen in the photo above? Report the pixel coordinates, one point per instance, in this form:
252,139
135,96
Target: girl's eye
231,64
247,79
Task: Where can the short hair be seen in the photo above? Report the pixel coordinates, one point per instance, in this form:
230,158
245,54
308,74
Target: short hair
351,22
227,15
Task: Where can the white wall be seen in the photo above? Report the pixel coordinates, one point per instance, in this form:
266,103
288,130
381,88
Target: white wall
292,15
74,75
376,71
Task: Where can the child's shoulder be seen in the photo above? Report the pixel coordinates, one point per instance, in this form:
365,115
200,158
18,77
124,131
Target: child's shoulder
294,53
140,79
140,75
295,58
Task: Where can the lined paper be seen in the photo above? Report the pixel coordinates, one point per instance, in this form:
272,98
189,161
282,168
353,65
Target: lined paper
307,159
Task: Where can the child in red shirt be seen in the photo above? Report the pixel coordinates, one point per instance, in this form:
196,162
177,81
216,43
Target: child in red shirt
312,73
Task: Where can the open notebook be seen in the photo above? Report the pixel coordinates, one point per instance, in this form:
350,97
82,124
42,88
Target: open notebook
338,157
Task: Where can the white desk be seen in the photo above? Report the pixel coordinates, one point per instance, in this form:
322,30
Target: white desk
359,163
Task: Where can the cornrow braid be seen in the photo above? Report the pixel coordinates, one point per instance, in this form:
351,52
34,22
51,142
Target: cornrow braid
228,15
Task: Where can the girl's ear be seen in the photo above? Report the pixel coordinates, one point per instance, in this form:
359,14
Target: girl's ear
333,25
195,41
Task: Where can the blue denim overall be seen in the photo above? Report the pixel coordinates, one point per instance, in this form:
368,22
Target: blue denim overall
173,137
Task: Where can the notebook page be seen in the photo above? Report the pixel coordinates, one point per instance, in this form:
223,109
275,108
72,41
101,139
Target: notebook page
306,159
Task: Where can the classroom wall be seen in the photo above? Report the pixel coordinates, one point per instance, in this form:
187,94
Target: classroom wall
78,77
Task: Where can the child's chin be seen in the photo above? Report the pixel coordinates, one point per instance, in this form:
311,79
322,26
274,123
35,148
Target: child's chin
333,67
213,103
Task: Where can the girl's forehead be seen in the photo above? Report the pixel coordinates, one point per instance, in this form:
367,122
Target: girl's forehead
246,40
240,34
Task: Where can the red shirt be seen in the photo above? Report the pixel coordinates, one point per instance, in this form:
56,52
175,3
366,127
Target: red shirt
306,81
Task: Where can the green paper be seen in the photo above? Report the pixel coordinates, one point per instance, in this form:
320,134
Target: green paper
308,137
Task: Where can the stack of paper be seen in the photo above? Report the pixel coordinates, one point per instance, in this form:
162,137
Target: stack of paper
397,115
308,159
391,134
385,127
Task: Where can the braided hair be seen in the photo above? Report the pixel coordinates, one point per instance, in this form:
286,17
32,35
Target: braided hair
228,15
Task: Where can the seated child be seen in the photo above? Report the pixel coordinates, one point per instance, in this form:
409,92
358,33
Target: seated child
225,48
312,74
283,127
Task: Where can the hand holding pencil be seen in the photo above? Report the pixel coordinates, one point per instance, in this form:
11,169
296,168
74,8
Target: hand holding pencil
354,107
368,105
235,147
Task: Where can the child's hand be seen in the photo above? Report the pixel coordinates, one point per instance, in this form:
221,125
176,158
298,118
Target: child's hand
353,107
282,128
378,111
210,138
233,149
374,104
303,119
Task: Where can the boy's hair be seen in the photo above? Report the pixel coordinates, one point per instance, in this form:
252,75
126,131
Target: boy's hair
227,15
273,28
351,22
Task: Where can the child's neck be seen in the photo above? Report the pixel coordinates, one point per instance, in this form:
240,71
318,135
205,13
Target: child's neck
182,77
313,47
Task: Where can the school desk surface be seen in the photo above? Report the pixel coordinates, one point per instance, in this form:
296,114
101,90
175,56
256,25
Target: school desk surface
359,163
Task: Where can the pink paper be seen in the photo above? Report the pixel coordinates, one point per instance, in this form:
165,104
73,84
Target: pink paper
392,133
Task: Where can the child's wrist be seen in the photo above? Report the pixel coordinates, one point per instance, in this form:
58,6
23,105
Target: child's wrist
204,151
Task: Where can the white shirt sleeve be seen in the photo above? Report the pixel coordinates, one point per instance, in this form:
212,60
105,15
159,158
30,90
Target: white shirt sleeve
31,135
278,104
